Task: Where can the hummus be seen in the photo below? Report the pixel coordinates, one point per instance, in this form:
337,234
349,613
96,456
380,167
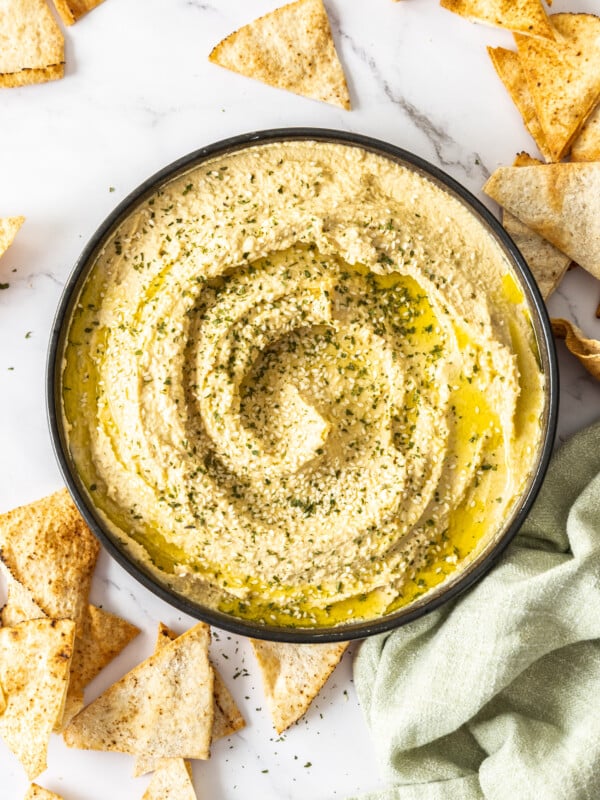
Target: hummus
301,383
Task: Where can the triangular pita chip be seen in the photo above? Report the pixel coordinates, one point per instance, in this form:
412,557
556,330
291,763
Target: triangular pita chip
162,708
34,672
38,793
586,146
525,16
171,781
8,230
47,547
587,351
49,554
71,10
547,264
563,77
102,637
290,48
561,202
293,675
508,66
227,718
31,43
99,638
20,607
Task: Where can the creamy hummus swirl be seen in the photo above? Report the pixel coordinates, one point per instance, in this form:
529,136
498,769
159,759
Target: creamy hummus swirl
302,380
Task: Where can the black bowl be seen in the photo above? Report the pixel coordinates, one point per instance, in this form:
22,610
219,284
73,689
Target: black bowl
453,585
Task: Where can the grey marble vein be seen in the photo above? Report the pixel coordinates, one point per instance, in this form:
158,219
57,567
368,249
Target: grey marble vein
15,280
445,147
202,6
117,587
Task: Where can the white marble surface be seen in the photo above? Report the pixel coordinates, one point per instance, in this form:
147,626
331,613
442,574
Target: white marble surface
138,93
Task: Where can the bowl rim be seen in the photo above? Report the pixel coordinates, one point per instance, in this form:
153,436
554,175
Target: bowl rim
449,589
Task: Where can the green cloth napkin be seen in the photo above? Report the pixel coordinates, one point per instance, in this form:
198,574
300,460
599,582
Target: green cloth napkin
497,694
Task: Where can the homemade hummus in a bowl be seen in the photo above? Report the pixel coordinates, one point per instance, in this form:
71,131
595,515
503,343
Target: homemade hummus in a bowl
301,385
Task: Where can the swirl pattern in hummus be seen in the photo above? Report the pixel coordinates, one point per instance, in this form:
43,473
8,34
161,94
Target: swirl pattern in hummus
301,381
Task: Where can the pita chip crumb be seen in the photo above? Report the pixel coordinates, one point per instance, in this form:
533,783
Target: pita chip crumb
31,43
34,673
293,675
291,48
524,16
163,708
587,351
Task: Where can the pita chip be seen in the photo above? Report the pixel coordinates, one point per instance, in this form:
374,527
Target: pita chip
560,202
586,146
99,640
71,10
291,48
293,675
20,605
547,264
162,708
171,781
47,547
103,637
587,351
523,159
49,554
524,16
227,718
508,66
8,230
34,673
31,43
38,793
563,77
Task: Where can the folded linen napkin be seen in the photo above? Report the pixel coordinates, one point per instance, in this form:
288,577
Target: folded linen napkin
496,695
